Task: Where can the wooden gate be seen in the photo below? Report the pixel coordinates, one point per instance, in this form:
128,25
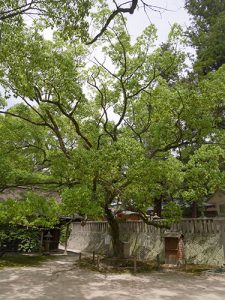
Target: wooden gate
171,250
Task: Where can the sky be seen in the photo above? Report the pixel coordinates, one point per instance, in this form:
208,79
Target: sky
174,13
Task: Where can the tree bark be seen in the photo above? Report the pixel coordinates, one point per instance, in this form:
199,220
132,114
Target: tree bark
158,207
194,210
114,231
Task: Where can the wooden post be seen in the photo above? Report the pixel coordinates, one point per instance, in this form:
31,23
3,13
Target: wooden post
98,262
222,229
41,241
194,211
66,239
80,257
135,264
157,262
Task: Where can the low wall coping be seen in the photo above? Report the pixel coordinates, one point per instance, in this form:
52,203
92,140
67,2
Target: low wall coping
175,234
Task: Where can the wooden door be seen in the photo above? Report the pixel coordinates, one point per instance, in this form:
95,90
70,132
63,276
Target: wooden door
171,250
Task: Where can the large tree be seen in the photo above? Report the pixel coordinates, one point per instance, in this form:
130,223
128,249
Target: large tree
113,129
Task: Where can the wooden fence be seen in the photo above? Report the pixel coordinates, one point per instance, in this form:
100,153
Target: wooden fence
188,226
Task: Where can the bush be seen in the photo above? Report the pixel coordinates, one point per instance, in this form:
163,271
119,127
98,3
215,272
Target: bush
13,238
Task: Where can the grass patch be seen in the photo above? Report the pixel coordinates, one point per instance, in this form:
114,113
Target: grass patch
23,260
128,265
116,265
195,269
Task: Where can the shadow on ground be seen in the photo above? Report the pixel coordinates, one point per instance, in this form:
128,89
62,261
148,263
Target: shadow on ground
61,279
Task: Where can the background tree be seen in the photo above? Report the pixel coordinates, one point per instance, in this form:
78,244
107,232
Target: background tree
207,33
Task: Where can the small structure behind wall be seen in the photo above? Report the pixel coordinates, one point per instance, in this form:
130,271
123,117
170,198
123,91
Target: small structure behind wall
218,200
171,244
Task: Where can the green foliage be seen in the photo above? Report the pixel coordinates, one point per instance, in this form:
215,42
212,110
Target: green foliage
69,17
22,150
33,211
21,220
21,239
29,241
64,234
172,212
203,174
80,200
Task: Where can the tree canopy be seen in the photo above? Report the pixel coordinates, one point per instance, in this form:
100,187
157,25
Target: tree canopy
73,18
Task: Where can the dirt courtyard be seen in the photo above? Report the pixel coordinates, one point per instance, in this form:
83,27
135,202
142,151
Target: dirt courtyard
59,280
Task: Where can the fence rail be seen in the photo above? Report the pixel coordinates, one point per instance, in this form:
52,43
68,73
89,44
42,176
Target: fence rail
188,226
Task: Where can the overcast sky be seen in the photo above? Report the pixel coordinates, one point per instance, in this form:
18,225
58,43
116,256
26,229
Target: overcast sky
174,13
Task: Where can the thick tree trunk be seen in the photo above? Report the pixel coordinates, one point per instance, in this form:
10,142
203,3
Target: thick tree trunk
114,231
158,207
194,210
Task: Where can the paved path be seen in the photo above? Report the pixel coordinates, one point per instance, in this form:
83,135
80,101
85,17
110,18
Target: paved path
58,280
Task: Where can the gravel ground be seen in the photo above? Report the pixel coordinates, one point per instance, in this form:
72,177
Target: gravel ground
60,280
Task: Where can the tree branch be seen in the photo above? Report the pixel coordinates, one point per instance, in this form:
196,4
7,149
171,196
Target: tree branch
119,10
56,130
24,118
11,13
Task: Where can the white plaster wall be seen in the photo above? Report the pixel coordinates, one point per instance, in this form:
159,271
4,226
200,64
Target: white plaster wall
204,249
200,248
